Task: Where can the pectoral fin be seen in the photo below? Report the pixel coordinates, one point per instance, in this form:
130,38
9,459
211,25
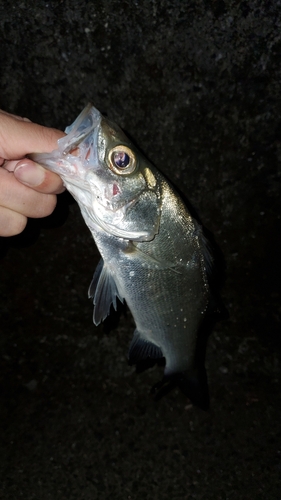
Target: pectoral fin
104,292
148,261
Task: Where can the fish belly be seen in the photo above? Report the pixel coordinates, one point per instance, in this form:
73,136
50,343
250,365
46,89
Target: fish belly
167,313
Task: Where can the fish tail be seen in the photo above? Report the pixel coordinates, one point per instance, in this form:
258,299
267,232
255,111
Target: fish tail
192,383
195,387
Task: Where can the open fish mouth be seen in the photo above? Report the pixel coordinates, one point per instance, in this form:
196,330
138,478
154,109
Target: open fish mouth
79,130
77,148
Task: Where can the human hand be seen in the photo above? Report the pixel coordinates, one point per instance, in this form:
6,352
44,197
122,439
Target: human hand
26,188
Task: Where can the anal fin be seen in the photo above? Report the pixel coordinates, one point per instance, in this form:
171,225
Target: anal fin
141,349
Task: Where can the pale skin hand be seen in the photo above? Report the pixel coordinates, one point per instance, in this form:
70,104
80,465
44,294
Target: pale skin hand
26,188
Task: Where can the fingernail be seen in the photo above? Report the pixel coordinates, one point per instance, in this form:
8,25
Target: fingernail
30,173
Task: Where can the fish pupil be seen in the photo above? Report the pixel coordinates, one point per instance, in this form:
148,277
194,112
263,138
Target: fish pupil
121,159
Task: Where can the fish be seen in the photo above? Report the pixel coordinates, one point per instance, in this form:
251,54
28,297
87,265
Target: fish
155,256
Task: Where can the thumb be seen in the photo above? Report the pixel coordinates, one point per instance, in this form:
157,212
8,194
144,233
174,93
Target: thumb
35,176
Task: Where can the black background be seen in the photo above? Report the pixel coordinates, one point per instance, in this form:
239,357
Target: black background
197,86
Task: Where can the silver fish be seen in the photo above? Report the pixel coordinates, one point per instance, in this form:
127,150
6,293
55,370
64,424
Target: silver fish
154,254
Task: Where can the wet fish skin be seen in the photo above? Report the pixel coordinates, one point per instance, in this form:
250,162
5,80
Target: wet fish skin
154,254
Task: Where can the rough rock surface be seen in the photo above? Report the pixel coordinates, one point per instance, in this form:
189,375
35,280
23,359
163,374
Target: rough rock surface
197,85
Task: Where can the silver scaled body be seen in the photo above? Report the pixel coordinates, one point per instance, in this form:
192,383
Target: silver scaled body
154,254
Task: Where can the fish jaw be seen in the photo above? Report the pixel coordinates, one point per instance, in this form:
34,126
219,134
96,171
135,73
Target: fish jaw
76,161
81,140
107,200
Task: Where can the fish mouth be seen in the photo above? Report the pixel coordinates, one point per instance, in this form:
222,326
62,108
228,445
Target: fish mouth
85,123
67,158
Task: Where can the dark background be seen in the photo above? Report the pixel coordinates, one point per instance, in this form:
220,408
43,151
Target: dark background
197,85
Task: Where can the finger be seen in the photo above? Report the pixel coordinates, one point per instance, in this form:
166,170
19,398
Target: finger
33,175
23,199
19,137
14,116
11,223
10,165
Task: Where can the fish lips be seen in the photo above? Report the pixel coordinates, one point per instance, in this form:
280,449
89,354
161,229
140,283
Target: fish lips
77,151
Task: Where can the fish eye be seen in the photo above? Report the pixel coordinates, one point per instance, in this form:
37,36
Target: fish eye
122,160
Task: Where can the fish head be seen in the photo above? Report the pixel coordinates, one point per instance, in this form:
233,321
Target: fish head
117,189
